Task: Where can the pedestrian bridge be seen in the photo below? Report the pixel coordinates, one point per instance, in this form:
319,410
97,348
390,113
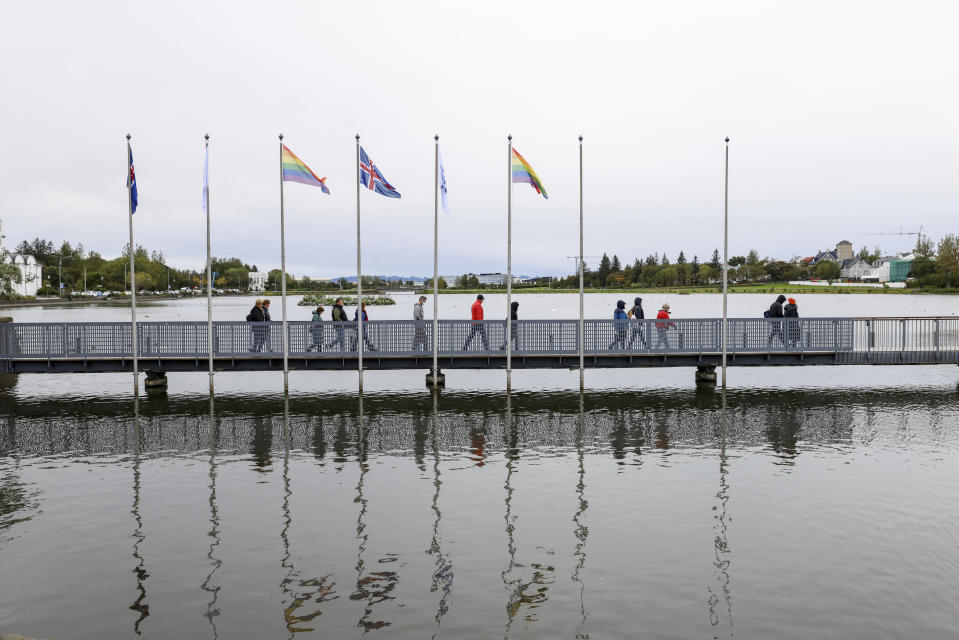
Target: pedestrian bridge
464,344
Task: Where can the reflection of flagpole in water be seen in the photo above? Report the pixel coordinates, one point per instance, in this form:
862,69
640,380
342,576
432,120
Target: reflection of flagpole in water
581,531
211,609
443,573
140,571
720,543
513,587
287,518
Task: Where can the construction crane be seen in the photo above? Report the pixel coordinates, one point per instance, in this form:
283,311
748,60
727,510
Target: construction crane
897,233
576,258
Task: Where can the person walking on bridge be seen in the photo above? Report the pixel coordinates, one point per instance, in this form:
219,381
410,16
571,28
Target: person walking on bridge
367,340
776,325
513,333
476,313
316,331
419,326
338,316
256,316
662,327
793,331
638,316
620,320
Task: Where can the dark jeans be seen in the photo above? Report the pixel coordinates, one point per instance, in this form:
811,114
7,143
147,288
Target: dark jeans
474,330
638,331
777,332
316,338
340,337
620,338
419,337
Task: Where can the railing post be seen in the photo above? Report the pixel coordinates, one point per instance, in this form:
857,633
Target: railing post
902,322
935,334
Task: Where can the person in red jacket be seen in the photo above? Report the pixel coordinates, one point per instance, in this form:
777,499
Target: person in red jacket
663,327
476,313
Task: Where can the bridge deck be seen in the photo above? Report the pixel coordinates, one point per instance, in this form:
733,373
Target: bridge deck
402,344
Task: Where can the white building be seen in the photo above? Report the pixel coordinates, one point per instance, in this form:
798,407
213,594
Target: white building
855,269
30,271
258,280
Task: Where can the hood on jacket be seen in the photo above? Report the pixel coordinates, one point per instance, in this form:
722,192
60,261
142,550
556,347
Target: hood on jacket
514,306
638,301
620,304
781,299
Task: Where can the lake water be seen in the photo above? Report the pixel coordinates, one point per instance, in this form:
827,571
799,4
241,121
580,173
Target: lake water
809,502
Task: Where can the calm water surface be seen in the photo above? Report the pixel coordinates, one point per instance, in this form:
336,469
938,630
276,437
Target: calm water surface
815,502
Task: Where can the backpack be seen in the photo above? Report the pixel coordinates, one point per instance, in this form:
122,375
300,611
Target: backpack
249,317
766,313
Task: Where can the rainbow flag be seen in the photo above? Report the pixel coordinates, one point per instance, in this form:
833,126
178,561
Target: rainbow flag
295,170
522,172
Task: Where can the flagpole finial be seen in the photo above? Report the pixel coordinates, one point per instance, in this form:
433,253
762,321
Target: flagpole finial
206,136
437,137
581,138
128,137
727,139
510,137
281,137
357,137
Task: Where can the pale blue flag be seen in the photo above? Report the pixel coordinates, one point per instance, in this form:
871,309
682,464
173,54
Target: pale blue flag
443,200
206,177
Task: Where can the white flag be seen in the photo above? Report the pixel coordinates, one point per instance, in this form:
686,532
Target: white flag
446,205
206,177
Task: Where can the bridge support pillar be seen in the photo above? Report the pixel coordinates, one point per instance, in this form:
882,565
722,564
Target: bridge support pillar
155,380
439,381
706,374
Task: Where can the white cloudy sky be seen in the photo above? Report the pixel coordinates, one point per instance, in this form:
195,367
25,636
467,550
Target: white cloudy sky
842,115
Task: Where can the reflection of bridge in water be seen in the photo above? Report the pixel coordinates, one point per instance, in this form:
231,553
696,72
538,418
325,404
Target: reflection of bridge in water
402,344
274,432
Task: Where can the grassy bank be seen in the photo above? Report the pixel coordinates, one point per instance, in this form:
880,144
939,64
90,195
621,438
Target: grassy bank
741,288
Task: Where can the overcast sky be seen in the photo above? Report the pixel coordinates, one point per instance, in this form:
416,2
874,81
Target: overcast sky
842,116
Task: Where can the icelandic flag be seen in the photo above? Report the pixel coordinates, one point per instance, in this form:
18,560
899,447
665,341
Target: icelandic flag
372,179
132,182
443,200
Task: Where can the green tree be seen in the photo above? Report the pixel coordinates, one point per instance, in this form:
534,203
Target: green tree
737,261
827,270
605,268
681,259
615,266
947,259
715,262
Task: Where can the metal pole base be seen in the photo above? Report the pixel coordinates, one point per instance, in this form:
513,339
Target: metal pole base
706,374
155,380
437,381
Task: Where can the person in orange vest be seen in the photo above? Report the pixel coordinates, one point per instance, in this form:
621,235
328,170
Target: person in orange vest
663,327
476,313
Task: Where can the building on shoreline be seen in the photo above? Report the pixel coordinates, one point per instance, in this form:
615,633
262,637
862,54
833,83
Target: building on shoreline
258,280
31,271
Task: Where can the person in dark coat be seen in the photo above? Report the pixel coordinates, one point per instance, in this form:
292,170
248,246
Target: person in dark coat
637,314
367,341
513,330
338,317
776,325
793,330
620,320
266,328
316,330
256,316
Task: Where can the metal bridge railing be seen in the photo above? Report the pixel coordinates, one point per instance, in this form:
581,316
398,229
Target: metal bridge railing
83,340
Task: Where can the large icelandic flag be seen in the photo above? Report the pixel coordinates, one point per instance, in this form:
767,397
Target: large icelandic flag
372,179
131,181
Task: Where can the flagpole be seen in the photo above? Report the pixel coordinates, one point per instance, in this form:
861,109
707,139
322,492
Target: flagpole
286,344
209,263
359,271
725,264
436,263
509,264
133,280
582,322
